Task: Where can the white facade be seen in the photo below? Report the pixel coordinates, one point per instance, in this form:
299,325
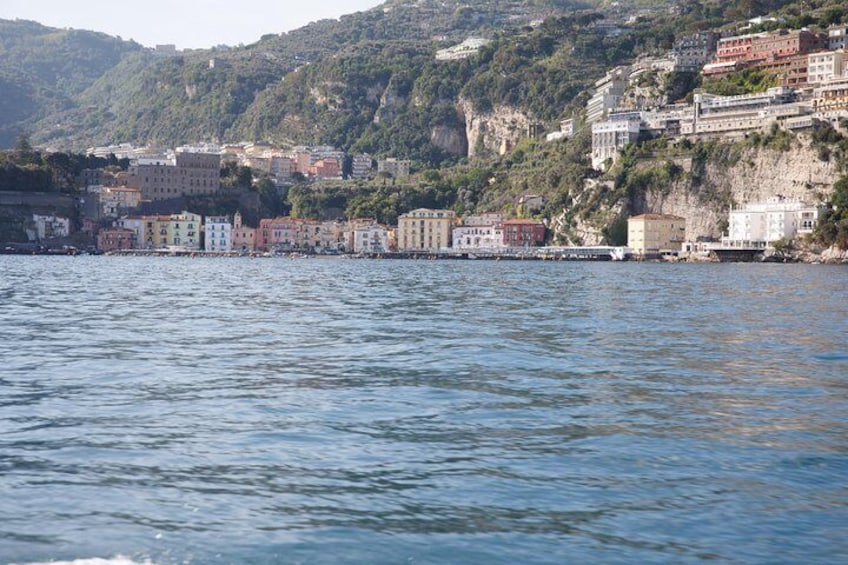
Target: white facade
477,237
771,221
609,137
361,166
608,92
370,239
825,66
219,234
137,226
397,168
467,48
50,227
837,38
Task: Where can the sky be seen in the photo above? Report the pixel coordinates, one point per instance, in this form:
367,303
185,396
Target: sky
185,23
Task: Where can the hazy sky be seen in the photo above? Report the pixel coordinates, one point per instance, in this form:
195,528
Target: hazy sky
186,23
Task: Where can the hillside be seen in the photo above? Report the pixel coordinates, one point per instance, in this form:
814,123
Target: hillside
132,95
45,70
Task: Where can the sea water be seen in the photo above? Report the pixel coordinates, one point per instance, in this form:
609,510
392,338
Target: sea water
178,410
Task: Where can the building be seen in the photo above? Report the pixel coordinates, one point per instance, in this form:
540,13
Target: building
746,112
478,237
244,237
395,167
467,48
825,66
425,230
116,239
325,169
51,227
692,52
831,99
187,175
371,239
180,231
117,200
611,136
770,221
654,234
138,226
218,234
362,166
837,37
608,91
278,234
523,233
784,43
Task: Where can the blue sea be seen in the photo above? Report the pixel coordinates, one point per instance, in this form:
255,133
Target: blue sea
211,411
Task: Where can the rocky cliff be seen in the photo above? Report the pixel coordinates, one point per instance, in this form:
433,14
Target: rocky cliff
490,133
709,188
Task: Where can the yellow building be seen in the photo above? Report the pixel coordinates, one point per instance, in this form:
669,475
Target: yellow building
178,230
425,230
651,234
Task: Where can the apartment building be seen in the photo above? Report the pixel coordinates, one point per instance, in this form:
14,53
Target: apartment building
218,232
611,136
653,234
187,175
770,221
425,230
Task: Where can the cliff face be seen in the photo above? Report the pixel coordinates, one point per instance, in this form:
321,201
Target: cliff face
489,132
705,194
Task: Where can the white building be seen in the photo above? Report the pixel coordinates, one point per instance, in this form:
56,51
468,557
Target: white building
608,91
361,166
478,237
136,224
370,239
825,66
837,37
467,48
50,227
771,221
218,234
611,136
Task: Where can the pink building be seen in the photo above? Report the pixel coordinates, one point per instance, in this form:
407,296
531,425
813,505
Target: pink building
244,237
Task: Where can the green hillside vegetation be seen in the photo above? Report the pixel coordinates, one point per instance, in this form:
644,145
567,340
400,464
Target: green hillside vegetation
44,70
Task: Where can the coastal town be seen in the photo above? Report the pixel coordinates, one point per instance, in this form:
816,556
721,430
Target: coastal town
810,68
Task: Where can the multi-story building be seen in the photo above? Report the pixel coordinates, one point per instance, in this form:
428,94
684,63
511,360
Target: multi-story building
425,230
117,200
218,233
51,227
735,48
523,233
371,239
692,52
181,231
652,234
189,174
825,66
611,136
244,237
278,234
771,221
784,43
332,237
116,239
478,237
325,169
361,166
608,91
831,99
837,37
747,112
137,225
397,168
